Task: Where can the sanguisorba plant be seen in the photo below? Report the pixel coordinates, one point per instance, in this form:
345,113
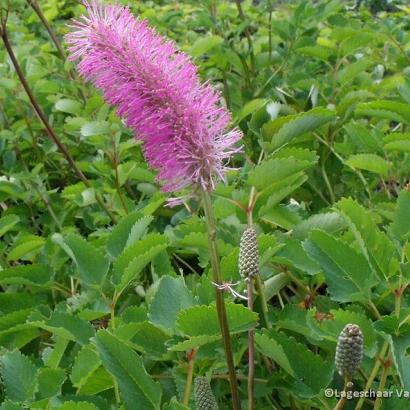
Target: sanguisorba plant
157,91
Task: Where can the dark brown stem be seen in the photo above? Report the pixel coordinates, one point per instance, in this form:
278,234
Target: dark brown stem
247,33
36,7
49,130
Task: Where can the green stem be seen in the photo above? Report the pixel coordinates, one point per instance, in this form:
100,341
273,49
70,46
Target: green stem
374,309
116,391
373,373
382,384
220,302
343,400
328,184
189,377
264,305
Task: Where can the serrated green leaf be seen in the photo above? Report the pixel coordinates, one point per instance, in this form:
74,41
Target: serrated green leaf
95,128
203,320
374,244
26,248
49,382
54,355
399,348
68,106
171,297
385,109
92,265
19,376
119,236
39,275
349,100
362,139
14,321
85,364
138,230
8,405
320,52
292,254
100,381
144,337
401,221
329,222
295,126
293,318
274,193
250,107
12,301
401,146
348,274
352,70
275,170
77,405
136,386
297,360
276,283
271,348
64,325
370,162
135,257
204,44
281,215
7,223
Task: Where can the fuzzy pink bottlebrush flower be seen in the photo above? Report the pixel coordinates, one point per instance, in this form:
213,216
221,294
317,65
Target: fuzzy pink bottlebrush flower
156,89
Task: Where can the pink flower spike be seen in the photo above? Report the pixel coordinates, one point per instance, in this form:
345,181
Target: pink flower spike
156,89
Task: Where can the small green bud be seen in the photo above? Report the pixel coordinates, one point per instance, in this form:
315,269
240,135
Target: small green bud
249,254
349,350
204,397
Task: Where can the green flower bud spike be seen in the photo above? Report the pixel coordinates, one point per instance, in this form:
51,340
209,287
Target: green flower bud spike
249,254
349,350
204,397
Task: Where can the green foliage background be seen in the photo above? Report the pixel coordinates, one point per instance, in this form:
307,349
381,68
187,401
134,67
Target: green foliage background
99,312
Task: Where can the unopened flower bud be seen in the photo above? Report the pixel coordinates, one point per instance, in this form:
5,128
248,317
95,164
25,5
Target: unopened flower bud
349,350
204,397
249,254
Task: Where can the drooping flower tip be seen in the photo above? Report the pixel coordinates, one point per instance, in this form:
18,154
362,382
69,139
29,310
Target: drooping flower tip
349,350
156,89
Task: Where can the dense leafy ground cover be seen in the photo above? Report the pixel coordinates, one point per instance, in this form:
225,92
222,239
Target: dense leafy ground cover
107,298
